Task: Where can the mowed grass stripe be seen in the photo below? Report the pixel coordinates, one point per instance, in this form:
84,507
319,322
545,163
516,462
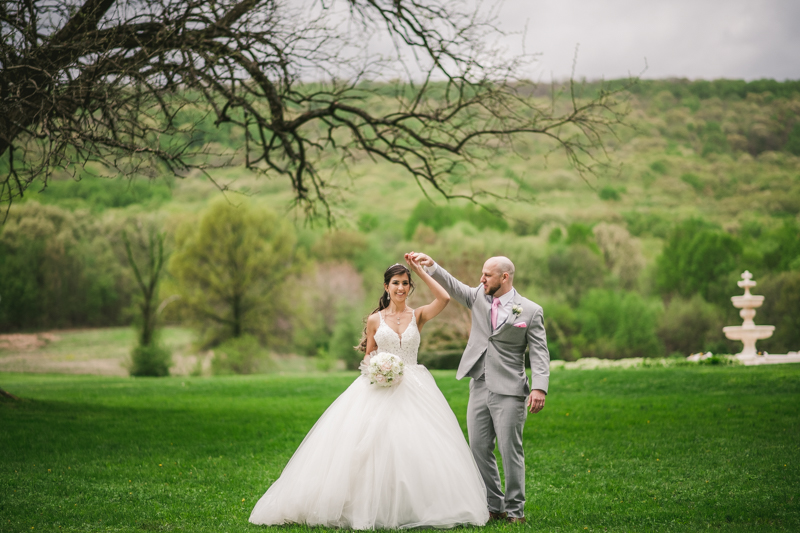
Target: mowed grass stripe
675,449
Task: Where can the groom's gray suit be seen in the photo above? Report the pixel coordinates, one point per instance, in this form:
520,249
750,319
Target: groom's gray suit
495,360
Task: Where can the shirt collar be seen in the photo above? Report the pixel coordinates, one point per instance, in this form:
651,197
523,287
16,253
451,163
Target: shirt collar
507,297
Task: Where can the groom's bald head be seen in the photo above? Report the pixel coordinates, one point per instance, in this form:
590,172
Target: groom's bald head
502,265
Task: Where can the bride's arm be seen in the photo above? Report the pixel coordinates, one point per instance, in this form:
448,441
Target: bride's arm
441,298
372,326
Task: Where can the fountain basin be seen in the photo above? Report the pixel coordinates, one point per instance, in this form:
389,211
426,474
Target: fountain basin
747,301
748,335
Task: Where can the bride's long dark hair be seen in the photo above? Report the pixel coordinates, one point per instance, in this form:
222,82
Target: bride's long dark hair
394,270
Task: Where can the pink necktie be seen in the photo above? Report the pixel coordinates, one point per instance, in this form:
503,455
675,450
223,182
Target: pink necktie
495,305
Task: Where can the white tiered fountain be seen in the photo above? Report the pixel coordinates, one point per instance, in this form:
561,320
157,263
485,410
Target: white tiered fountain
748,333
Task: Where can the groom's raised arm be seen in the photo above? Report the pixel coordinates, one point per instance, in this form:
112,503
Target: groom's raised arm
460,292
539,354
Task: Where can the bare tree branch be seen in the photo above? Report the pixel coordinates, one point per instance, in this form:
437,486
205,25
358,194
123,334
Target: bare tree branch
136,85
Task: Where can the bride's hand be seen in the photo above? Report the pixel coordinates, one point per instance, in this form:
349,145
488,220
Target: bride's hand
413,264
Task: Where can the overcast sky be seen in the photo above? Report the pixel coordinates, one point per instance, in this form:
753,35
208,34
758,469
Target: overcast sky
742,39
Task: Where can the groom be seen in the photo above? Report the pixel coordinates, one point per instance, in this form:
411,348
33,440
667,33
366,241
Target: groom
503,325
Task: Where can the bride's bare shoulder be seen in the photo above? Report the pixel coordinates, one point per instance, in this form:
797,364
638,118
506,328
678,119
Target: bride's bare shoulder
373,320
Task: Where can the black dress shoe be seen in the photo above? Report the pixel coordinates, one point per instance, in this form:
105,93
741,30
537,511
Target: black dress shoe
497,516
516,520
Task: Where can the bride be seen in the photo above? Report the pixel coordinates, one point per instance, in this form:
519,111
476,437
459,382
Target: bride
384,458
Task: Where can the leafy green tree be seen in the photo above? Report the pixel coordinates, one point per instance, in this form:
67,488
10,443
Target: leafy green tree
234,272
622,253
148,358
785,252
336,289
714,139
147,279
793,141
782,309
697,259
346,335
57,269
574,270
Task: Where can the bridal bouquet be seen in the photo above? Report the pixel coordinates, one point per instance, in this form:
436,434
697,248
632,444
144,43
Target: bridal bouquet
384,369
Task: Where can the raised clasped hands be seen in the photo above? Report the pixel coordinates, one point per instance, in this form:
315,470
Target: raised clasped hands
418,260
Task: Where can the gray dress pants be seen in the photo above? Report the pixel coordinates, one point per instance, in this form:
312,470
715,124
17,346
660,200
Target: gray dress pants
496,417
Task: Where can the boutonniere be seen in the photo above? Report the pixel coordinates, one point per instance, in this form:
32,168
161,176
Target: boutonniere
516,309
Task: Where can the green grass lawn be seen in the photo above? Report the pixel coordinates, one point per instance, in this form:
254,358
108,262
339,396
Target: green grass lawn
673,449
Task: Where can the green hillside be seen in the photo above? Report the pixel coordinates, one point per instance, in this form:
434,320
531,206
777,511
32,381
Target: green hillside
639,260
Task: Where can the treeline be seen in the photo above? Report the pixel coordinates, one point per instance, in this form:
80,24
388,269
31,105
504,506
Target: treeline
643,266
722,88
250,283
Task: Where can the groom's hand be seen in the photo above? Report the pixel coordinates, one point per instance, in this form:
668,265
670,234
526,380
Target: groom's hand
420,258
535,401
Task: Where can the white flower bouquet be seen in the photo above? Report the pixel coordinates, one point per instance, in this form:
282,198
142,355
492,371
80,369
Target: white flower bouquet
383,369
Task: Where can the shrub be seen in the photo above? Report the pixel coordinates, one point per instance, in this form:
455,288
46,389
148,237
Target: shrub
368,222
241,355
619,324
563,339
580,234
690,325
719,360
659,166
693,180
609,193
153,360
640,224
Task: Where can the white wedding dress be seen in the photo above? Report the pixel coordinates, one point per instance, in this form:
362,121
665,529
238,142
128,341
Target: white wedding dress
381,458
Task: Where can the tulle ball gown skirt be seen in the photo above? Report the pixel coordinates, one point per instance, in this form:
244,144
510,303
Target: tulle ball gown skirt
380,458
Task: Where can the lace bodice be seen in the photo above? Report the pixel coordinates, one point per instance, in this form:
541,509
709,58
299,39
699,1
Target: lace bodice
405,346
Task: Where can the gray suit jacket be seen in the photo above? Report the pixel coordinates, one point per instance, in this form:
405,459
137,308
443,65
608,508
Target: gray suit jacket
505,347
